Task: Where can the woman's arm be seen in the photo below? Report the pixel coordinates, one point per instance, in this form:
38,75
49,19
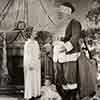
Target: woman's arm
74,39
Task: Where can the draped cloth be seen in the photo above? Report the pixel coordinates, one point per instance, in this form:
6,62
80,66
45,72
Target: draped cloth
47,65
45,42
32,78
87,73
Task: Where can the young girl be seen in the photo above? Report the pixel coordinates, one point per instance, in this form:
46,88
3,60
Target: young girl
48,91
45,43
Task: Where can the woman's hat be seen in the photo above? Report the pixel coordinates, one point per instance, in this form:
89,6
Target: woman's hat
68,4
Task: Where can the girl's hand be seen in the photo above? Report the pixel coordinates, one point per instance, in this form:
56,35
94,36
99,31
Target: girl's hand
47,47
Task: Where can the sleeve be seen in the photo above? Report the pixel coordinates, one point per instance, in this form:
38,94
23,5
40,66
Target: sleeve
25,54
73,41
31,55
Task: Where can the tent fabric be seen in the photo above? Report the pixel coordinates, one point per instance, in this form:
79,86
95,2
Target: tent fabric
36,15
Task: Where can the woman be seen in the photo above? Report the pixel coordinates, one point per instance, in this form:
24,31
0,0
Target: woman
66,53
32,67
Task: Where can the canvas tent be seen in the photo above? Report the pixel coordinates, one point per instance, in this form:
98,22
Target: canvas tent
41,14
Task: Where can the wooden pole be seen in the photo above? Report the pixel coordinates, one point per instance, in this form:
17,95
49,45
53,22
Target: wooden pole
26,12
4,74
4,63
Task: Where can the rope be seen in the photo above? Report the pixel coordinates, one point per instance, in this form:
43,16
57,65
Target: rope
8,42
11,41
8,7
26,11
4,8
46,12
23,36
18,7
14,39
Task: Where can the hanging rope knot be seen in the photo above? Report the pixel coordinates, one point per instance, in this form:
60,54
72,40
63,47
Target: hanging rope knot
28,31
20,25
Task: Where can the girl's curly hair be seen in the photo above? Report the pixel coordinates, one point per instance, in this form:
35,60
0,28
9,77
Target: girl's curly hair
43,35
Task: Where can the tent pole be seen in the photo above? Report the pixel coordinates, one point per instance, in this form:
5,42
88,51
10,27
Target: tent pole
4,62
26,11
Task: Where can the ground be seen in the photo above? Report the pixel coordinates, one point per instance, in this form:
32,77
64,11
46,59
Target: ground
5,97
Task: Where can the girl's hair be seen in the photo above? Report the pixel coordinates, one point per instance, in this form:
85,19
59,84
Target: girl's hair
48,78
43,36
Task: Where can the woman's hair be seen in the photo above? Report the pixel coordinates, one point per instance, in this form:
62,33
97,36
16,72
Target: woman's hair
68,4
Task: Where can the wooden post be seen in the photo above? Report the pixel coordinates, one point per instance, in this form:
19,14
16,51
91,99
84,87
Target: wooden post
26,12
4,62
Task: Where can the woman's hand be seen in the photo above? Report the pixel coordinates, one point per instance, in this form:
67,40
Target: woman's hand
62,49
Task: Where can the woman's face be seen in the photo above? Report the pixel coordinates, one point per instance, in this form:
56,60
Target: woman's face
62,13
65,10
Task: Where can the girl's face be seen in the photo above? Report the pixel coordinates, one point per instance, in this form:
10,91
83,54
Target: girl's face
48,40
47,82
